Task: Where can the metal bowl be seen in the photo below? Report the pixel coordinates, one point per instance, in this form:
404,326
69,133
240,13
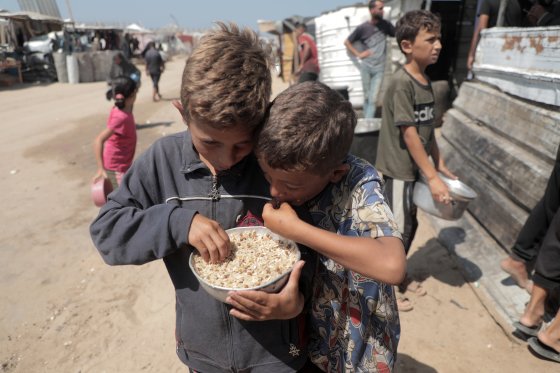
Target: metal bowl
460,193
272,286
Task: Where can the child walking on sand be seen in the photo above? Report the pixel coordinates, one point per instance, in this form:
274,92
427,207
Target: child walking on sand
114,147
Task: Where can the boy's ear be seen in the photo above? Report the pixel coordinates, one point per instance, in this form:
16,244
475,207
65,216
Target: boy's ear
339,172
179,107
406,46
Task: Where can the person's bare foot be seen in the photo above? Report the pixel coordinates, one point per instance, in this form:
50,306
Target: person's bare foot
533,315
549,340
416,288
529,286
412,286
518,271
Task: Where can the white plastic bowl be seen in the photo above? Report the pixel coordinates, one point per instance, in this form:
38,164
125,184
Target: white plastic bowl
272,286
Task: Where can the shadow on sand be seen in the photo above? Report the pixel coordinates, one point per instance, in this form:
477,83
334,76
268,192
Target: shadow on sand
407,364
142,126
438,258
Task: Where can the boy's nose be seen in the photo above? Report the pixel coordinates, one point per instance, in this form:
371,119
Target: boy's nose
274,191
229,159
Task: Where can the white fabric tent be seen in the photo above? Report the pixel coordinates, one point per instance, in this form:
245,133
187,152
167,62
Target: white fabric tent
135,28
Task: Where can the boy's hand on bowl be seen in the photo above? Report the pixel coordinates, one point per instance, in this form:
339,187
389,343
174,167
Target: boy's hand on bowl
209,238
440,191
252,305
281,219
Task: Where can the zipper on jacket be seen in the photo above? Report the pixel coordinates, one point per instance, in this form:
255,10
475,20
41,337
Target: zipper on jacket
214,194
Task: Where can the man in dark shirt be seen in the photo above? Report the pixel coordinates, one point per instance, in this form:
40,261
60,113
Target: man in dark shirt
488,17
154,68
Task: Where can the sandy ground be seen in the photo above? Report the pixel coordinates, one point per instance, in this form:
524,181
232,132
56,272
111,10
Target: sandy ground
63,310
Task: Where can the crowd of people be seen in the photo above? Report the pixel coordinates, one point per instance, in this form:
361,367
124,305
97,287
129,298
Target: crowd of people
285,164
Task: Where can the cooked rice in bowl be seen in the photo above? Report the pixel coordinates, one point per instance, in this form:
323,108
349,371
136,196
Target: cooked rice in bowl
259,259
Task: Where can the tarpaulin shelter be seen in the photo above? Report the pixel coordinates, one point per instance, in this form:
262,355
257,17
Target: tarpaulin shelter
143,35
18,27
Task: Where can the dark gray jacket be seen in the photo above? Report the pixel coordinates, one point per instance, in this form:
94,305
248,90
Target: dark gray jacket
148,217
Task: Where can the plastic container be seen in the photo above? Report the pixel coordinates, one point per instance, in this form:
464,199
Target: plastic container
73,69
60,66
100,189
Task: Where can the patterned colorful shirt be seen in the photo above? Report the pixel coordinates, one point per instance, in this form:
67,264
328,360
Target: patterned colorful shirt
354,320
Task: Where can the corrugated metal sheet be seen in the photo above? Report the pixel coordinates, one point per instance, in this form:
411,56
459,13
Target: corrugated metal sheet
524,62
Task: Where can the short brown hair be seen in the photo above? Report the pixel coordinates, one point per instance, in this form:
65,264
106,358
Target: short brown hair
410,24
227,79
371,4
310,127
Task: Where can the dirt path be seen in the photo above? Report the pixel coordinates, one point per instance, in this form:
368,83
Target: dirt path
63,310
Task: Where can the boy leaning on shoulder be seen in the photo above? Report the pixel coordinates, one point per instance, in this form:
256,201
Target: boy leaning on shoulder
303,150
407,138
187,188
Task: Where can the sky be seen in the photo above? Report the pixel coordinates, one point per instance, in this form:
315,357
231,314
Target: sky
189,14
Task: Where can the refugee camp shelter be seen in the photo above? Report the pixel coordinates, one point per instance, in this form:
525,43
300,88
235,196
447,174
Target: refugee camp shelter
18,27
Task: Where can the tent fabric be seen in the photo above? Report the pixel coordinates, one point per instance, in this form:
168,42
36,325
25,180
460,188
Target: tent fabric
133,27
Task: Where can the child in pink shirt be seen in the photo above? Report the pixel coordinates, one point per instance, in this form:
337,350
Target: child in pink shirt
114,147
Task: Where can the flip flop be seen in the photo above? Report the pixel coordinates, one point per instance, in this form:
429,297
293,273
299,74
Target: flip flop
416,288
413,286
528,330
404,304
543,350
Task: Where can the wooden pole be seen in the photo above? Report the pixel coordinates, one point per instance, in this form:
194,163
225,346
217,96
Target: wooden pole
69,6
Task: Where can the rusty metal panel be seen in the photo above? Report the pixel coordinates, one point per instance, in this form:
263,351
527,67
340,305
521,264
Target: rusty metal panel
524,62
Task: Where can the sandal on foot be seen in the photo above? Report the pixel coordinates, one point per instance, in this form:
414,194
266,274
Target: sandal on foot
543,350
404,304
528,330
412,286
416,287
